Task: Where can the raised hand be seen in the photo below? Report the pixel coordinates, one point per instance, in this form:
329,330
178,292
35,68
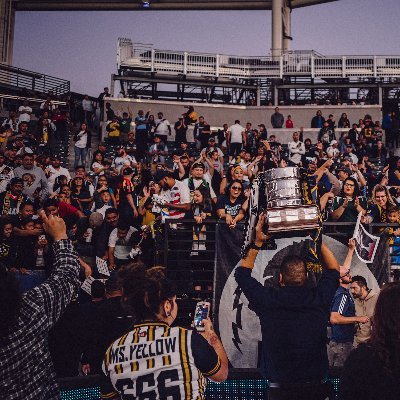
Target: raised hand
54,226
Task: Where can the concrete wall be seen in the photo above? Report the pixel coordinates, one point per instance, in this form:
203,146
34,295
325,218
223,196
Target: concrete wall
217,115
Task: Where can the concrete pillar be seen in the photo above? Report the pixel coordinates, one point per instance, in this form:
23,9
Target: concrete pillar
7,18
112,86
287,28
277,31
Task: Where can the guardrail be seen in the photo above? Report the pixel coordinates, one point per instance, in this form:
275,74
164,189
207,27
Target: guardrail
241,384
12,77
145,58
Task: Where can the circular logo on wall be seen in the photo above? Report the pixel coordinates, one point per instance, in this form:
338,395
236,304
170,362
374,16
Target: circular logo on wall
239,326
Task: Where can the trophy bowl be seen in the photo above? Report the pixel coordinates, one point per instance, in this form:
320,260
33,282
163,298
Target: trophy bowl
286,209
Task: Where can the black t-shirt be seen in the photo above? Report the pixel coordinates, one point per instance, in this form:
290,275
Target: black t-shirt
230,208
124,188
293,325
8,252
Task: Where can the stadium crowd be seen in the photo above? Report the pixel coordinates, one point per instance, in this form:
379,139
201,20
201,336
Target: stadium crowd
119,193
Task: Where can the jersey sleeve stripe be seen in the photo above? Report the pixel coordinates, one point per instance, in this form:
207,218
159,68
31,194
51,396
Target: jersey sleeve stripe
107,358
185,363
135,338
167,331
110,395
214,370
342,304
166,360
134,366
122,340
150,363
150,333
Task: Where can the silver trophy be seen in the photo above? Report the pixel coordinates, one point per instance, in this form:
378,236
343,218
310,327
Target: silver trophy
285,198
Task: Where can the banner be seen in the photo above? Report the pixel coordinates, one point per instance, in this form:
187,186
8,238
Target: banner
238,326
366,244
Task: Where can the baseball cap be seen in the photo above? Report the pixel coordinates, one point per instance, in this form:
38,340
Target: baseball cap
212,139
343,168
333,142
198,165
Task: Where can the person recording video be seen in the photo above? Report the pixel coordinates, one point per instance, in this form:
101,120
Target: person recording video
154,360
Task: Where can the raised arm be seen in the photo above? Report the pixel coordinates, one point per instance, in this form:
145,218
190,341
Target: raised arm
62,285
328,259
349,255
261,238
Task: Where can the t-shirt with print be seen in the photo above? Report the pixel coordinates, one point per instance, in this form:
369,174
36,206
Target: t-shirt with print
10,204
194,183
124,187
230,208
178,194
125,125
6,174
119,162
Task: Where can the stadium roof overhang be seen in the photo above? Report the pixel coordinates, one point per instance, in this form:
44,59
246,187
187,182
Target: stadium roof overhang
156,5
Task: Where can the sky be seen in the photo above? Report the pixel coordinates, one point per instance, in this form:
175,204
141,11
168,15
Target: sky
82,46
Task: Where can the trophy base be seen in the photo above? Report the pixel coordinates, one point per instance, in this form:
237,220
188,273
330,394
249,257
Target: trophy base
292,218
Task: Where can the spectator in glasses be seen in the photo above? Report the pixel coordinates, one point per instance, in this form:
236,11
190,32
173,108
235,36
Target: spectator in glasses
229,205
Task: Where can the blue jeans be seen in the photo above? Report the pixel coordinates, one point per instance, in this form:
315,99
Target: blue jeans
80,154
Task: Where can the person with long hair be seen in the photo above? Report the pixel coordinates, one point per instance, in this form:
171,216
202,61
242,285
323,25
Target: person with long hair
372,371
381,201
234,172
349,203
98,166
201,208
82,141
156,360
80,196
344,121
230,205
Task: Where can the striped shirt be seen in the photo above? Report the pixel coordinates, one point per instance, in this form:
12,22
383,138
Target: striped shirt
156,361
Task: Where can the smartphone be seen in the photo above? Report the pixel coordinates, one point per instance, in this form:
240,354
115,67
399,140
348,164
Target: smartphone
202,312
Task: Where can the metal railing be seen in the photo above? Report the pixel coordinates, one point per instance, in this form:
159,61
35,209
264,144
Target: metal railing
242,383
12,77
294,63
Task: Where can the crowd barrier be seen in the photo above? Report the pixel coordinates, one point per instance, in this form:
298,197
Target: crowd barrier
242,384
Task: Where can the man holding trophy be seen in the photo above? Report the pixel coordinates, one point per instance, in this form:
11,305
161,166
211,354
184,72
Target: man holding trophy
293,321
293,317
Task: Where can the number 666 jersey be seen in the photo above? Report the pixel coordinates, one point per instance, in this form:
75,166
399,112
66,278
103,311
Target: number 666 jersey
155,361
